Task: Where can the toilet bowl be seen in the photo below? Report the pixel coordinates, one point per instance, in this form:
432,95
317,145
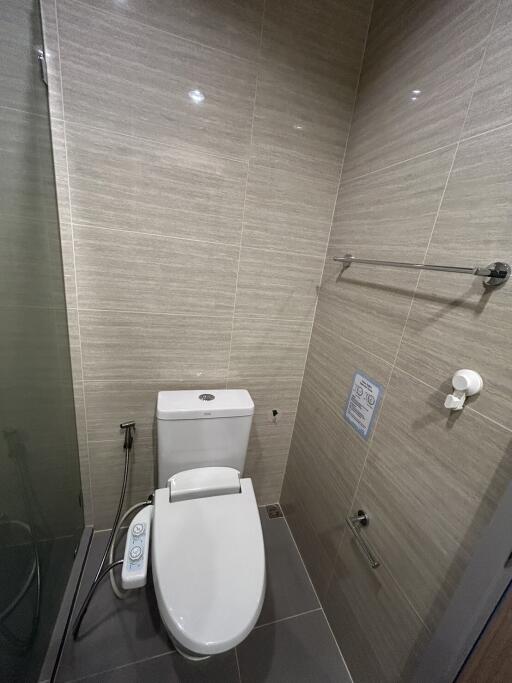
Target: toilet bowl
208,557
208,564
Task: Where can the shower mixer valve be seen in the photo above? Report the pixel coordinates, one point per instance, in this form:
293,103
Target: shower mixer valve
465,383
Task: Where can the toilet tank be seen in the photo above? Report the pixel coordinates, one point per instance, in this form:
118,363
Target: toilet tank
202,429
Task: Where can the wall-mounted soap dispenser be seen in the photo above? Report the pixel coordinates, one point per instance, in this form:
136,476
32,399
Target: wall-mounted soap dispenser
465,383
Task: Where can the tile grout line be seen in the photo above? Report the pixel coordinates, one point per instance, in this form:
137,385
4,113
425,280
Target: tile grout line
33,307
291,616
177,145
488,131
473,89
431,233
174,145
356,89
84,679
91,226
318,599
352,502
258,62
247,60
43,117
238,665
303,372
442,393
356,94
105,228
138,22
466,138
356,489
443,193
64,134
242,160
370,441
402,161
352,343
157,380
221,316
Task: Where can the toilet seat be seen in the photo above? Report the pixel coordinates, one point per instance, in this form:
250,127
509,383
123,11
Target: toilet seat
208,564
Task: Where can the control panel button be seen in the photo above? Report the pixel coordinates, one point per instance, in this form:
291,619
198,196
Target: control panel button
135,553
138,529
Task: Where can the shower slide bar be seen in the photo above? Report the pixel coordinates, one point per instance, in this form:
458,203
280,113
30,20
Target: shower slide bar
497,273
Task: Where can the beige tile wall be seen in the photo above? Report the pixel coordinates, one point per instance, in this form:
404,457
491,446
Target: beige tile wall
194,235
426,179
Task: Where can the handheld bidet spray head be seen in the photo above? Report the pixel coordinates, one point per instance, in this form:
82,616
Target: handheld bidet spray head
129,429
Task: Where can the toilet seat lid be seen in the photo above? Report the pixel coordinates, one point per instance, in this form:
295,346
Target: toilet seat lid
208,568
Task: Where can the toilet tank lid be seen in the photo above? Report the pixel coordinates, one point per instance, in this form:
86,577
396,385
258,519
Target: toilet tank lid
199,404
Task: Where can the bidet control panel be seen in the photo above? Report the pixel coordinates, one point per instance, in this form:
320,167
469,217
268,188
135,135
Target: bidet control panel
136,552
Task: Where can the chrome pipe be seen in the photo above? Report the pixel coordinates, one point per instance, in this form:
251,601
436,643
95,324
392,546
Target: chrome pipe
354,524
498,272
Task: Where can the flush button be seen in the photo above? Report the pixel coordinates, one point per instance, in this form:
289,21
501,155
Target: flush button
138,529
206,397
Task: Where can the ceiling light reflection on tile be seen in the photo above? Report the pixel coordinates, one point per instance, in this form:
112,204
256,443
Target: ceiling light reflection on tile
196,96
298,126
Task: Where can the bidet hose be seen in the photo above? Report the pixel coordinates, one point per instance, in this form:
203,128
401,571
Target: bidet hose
129,428
89,595
119,592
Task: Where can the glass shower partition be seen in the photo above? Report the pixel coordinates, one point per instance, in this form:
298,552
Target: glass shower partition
41,517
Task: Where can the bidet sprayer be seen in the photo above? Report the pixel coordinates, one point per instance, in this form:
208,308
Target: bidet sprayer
129,428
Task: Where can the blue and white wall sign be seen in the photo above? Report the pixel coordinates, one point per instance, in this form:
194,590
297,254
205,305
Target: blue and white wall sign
362,404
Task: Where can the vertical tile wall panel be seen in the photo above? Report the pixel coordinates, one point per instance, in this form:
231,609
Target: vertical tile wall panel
415,186
194,233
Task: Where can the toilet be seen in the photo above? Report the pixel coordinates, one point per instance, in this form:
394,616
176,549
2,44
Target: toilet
207,552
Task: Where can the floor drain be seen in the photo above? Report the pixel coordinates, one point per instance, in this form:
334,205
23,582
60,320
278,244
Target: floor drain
274,511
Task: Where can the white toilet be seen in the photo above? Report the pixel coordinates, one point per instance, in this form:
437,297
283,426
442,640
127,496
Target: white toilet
207,552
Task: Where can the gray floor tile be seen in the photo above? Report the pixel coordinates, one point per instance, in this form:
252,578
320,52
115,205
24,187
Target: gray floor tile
172,668
289,589
297,650
114,632
125,641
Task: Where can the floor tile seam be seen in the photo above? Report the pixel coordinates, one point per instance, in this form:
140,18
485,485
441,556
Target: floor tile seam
316,595
290,616
84,679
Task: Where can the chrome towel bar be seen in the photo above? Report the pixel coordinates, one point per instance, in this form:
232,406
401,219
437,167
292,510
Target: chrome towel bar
354,524
497,273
